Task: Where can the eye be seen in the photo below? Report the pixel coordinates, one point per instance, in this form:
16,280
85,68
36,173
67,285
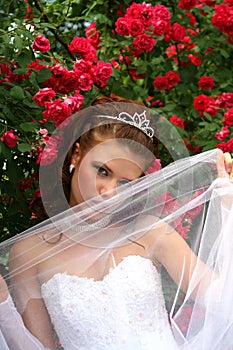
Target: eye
123,182
101,171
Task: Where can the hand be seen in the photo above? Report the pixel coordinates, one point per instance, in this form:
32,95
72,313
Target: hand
225,170
3,290
225,165
228,163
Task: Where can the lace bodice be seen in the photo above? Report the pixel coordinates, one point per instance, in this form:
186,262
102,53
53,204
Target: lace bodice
123,311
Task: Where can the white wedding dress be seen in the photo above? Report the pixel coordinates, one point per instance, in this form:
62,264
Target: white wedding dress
125,310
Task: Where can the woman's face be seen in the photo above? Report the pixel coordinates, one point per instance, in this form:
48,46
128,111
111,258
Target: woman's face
102,169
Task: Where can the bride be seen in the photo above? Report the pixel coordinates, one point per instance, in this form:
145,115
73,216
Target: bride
92,276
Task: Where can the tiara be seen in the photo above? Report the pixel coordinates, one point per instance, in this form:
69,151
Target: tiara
137,120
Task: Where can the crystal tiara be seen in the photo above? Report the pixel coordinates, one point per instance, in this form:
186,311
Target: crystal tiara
137,120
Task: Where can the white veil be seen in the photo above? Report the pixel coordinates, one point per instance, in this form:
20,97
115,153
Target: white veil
193,195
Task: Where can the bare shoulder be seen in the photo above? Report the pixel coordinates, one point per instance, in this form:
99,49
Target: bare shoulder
28,248
153,226
25,245
157,232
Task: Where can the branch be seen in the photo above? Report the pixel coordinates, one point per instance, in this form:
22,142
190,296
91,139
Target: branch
57,37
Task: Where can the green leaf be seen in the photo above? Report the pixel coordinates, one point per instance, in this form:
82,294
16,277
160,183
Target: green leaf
13,171
43,75
33,79
208,117
20,70
29,126
25,58
4,150
17,93
24,147
170,107
7,113
18,42
48,25
224,53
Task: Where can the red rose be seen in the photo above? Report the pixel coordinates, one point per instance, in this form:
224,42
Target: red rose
194,60
206,83
187,4
48,154
35,65
57,111
210,3
229,27
171,51
201,102
74,102
173,78
135,76
156,166
41,43
122,26
228,117
160,27
178,32
93,35
160,83
115,64
165,203
228,99
37,195
143,12
211,108
135,10
9,138
181,228
226,146
147,15
43,96
65,83
69,82
58,70
81,47
221,135
177,121
136,27
220,17
192,19
25,184
84,82
144,42
162,12
102,73
83,66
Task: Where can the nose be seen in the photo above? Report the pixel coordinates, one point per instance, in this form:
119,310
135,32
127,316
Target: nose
108,190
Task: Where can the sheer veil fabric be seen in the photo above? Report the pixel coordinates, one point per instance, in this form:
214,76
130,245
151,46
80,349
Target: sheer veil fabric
192,196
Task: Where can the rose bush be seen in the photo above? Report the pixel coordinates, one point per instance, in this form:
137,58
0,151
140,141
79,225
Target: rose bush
57,56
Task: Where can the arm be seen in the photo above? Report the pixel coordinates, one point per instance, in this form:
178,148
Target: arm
27,294
180,262
175,254
15,333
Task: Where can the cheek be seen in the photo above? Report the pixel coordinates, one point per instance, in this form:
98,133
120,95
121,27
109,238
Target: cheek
87,184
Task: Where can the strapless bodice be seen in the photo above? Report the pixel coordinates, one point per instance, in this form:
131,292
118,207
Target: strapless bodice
125,310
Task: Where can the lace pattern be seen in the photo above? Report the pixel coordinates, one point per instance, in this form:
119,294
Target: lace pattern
125,310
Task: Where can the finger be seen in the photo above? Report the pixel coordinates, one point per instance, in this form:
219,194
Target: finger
3,289
221,168
231,173
228,162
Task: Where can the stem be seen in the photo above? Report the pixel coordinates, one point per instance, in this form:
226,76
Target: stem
57,37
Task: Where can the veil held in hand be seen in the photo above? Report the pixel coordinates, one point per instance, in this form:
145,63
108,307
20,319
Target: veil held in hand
86,240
